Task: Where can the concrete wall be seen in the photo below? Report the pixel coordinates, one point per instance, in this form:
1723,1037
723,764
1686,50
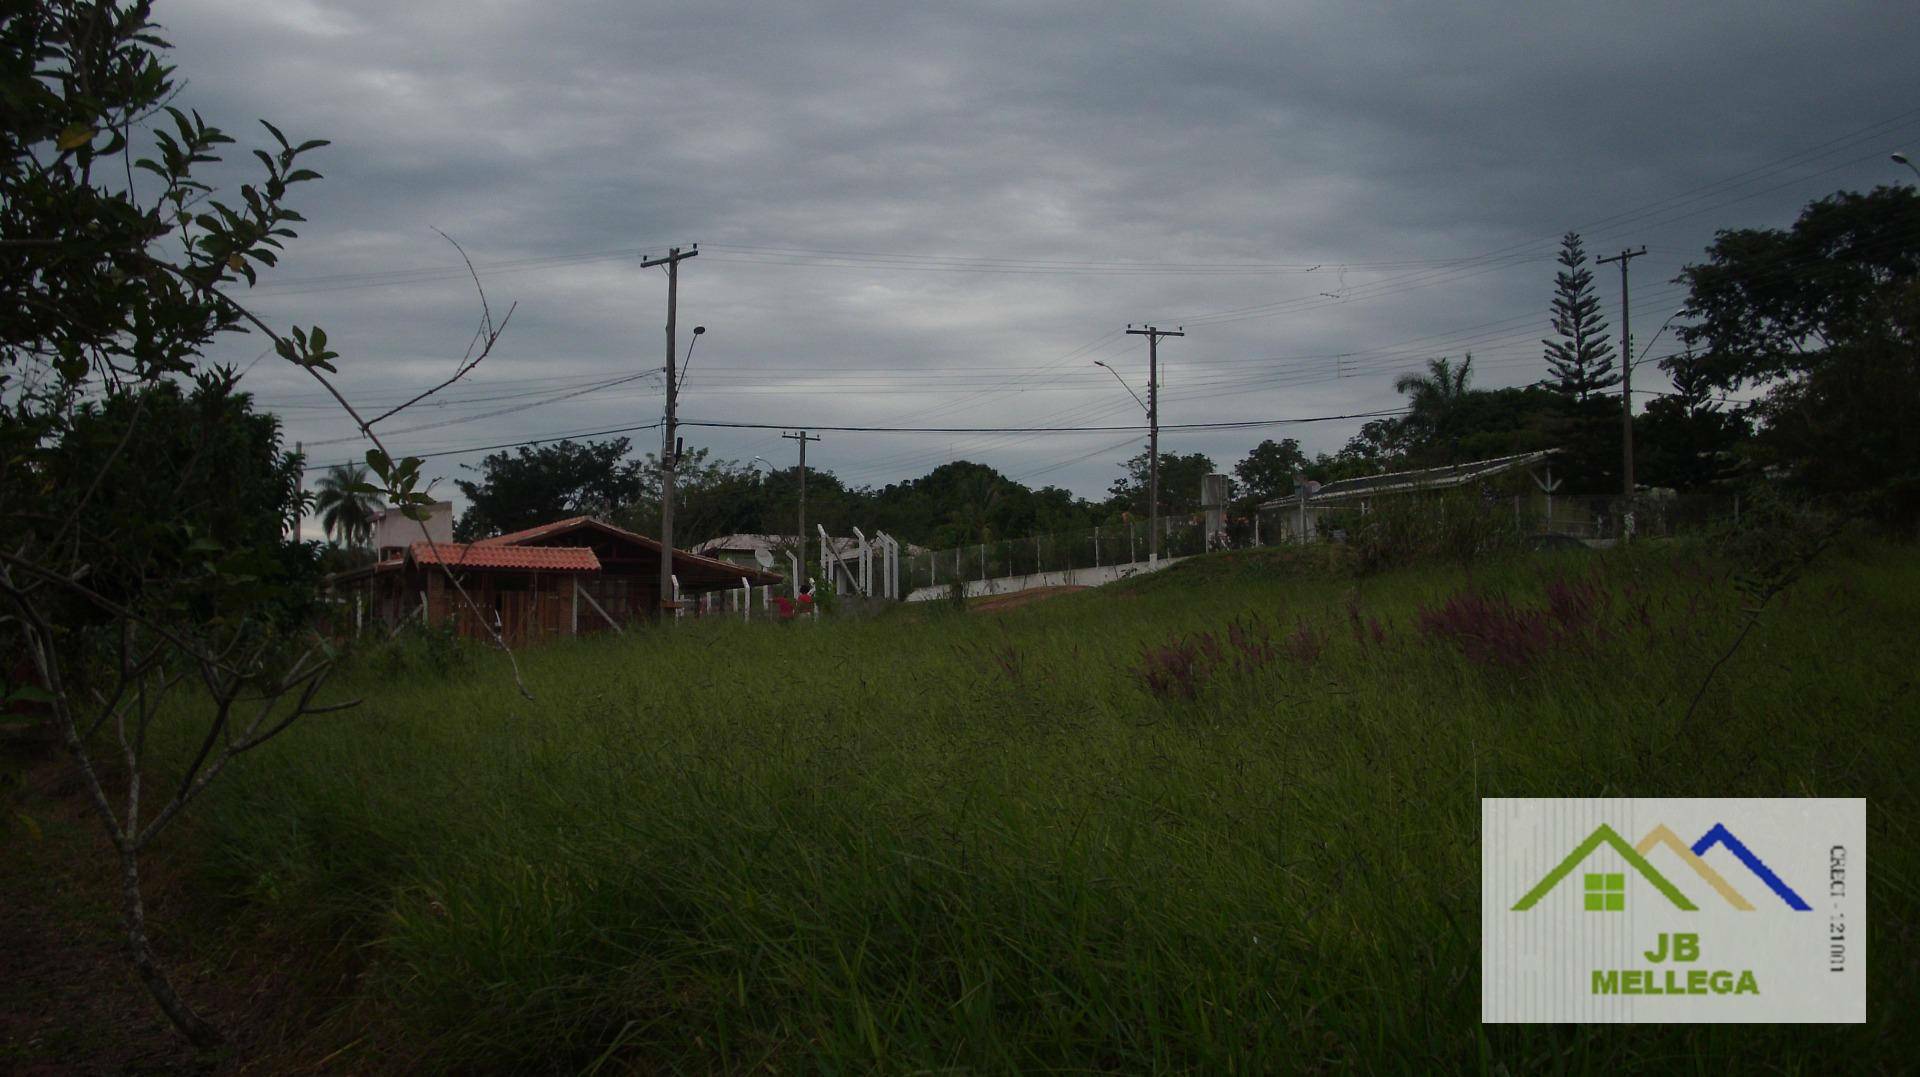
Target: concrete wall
1070,577
391,529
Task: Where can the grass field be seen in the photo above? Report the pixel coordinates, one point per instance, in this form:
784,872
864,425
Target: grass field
1222,819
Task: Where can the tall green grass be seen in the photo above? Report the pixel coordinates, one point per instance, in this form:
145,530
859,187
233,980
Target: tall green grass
935,841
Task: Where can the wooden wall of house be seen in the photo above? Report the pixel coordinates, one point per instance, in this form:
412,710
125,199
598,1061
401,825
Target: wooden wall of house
524,606
627,597
528,607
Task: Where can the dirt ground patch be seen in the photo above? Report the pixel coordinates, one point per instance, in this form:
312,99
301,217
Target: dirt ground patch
69,1001
1003,603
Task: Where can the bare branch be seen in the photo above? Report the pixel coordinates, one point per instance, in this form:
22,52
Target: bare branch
223,707
483,338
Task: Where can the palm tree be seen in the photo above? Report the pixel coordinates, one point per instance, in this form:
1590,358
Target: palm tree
1433,399
1435,393
346,512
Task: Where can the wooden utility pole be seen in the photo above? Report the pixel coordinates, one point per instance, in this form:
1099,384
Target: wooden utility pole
669,449
1153,336
802,437
1626,374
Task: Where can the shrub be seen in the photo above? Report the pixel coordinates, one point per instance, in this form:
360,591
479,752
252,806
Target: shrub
1180,667
433,650
1492,630
1173,670
1407,530
1304,644
1367,631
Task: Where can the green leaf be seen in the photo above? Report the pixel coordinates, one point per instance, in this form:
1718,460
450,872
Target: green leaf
26,820
74,137
282,139
380,464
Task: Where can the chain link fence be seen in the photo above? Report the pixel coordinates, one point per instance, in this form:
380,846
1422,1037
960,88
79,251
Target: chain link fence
1598,519
1595,518
1059,551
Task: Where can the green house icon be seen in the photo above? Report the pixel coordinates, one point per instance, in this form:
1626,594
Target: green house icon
1606,892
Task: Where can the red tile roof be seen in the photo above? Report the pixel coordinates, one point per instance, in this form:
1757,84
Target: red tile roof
534,558
514,538
707,566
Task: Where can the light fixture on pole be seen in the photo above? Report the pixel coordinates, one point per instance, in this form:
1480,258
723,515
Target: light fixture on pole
1123,384
698,330
1902,159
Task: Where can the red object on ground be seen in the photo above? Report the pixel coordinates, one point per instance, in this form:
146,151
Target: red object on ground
806,603
786,607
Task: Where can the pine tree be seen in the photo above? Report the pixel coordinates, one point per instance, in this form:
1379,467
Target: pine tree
1692,383
1581,361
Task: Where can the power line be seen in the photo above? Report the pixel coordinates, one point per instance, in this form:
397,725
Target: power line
1235,424
1240,424
512,444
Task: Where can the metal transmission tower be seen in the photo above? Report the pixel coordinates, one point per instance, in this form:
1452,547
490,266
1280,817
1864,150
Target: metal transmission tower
669,449
1153,336
1626,373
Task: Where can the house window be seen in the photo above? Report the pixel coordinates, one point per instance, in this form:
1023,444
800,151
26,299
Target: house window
1606,892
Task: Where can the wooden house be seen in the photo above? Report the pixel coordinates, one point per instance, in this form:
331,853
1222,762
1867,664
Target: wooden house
568,577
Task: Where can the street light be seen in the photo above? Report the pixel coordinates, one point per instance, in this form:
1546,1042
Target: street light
697,330
1901,159
1124,385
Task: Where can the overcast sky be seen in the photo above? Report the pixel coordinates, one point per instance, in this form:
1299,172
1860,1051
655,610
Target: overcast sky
940,218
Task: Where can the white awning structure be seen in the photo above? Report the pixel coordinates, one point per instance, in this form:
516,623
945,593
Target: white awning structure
1419,481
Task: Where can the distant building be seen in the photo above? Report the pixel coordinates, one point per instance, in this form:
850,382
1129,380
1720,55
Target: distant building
393,532
1300,521
745,549
568,577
